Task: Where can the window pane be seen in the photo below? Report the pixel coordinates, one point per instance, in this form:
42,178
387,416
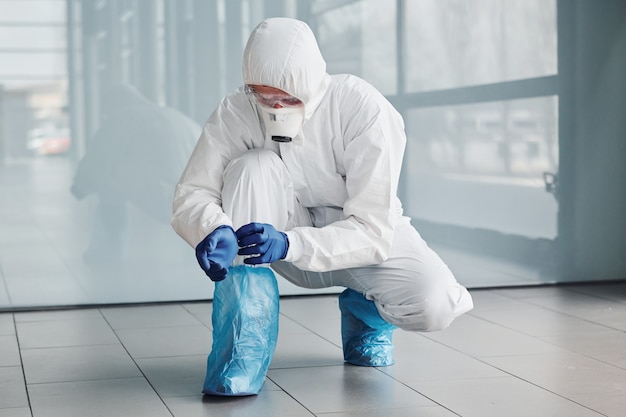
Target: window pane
482,165
457,43
32,11
31,37
50,65
360,38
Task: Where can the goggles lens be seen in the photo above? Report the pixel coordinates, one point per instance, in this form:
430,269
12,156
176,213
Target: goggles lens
271,99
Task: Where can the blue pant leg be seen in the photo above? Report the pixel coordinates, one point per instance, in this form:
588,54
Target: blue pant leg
365,335
245,331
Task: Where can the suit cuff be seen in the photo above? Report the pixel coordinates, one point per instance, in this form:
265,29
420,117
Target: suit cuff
295,247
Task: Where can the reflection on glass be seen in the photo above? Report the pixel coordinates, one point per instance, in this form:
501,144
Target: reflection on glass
482,165
134,158
360,38
452,43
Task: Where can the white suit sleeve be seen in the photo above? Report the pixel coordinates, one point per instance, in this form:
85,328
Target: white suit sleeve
197,208
374,141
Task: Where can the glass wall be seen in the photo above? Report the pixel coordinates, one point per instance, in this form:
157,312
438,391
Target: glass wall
482,165
474,80
452,44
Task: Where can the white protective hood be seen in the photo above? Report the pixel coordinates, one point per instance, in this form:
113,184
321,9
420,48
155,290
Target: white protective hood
296,67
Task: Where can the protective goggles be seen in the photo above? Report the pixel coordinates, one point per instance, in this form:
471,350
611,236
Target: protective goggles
270,100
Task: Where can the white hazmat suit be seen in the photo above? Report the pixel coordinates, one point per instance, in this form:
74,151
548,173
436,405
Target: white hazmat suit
332,190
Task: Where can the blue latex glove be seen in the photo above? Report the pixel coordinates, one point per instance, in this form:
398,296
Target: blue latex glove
263,242
217,251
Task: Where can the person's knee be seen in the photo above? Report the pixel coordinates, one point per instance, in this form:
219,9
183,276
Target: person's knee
434,318
426,309
253,162
258,188
427,315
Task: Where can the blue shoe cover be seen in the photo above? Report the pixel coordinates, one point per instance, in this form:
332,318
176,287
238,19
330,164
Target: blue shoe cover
245,331
366,336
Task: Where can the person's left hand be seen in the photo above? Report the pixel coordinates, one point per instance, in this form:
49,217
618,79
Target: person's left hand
263,242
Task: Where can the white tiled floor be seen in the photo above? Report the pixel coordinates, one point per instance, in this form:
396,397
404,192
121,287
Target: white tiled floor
539,351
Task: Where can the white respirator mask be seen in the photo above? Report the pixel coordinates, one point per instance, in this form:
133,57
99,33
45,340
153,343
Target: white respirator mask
282,124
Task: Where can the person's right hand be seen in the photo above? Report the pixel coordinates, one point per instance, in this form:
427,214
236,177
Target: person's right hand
217,251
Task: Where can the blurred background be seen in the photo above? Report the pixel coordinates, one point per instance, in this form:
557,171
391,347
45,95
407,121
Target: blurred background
514,114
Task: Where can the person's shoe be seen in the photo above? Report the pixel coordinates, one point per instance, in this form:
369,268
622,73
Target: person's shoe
245,331
365,335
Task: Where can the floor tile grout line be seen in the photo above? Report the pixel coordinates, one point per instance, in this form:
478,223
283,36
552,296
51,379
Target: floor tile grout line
313,332
536,304
289,395
19,350
285,368
145,377
513,376
567,349
415,390
374,368
71,381
182,305
508,374
546,389
601,297
519,377
565,287
541,338
67,346
577,317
